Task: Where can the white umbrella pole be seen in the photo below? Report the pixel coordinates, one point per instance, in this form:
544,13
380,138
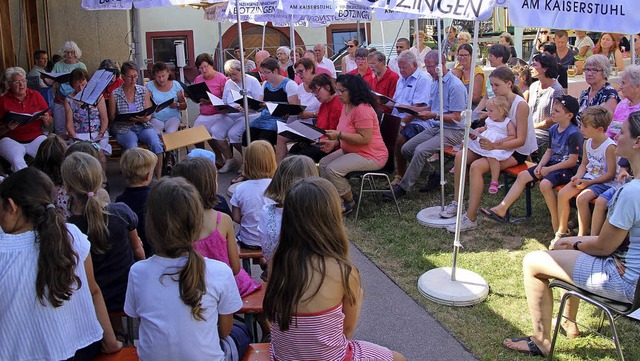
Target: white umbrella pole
633,49
264,30
441,110
384,45
533,46
221,50
293,40
243,91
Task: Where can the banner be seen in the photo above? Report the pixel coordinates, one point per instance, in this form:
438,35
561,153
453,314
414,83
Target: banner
452,9
107,4
307,7
216,12
616,16
250,9
388,14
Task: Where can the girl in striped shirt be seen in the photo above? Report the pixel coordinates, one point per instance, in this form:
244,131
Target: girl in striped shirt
314,297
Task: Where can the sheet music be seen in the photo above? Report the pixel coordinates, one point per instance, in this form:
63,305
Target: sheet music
91,93
215,100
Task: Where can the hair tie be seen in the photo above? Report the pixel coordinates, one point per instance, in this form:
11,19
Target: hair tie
90,194
50,206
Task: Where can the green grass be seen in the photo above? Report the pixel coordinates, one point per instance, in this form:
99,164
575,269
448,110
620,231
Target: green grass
405,250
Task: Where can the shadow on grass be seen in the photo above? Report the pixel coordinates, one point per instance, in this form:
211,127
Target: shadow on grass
405,250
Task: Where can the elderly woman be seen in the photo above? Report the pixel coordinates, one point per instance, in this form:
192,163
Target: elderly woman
132,98
607,265
542,93
463,72
162,89
630,88
464,38
348,62
232,125
599,92
507,40
18,140
70,61
284,62
357,135
215,82
608,46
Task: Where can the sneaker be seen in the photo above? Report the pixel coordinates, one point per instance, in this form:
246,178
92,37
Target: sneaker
465,225
433,183
347,207
229,164
434,158
397,191
451,210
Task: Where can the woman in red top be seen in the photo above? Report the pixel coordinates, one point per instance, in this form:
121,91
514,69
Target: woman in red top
18,140
357,134
324,89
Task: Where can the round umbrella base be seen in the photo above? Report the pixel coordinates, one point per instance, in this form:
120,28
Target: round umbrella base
468,289
430,217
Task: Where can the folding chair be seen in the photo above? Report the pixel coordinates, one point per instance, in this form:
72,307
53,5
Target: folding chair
389,126
610,308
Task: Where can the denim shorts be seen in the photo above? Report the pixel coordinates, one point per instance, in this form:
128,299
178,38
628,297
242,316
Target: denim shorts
598,188
557,177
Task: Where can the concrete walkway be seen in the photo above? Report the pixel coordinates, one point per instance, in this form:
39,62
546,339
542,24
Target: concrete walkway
389,316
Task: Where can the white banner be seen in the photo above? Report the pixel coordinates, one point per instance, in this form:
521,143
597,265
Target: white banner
452,9
307,7
387,14
617,16
216,12
106,4
250,9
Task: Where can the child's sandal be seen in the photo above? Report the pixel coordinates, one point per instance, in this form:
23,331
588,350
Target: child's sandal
493,187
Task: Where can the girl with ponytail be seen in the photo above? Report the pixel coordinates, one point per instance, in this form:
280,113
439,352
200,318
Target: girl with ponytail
111,229
64,315
185,302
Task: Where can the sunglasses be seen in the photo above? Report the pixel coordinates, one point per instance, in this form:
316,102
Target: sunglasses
351,46
544,32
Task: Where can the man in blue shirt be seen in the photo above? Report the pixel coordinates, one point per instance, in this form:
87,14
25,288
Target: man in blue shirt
412,90
427,142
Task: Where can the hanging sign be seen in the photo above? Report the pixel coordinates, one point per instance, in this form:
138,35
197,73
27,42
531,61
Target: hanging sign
452,9
617,16
308,7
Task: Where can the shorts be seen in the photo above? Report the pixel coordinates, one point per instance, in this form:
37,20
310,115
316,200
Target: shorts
520,158
598,189
557,177
600,276
411,130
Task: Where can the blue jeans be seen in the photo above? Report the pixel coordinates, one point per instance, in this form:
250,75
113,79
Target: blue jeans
138,133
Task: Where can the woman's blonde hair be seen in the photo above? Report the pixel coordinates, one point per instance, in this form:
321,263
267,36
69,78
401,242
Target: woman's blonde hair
259,160
305,248
82,175
203,175
292,169
173,222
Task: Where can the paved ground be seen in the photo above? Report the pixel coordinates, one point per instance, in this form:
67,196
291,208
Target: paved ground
389,316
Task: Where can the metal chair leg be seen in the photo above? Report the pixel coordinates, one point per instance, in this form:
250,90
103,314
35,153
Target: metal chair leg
361,195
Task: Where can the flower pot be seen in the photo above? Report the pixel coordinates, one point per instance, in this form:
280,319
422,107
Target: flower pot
579,65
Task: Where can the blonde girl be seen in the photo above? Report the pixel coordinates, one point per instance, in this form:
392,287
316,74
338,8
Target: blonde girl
498,128
111,229
314,297
185,302
248,198
217,239
49,294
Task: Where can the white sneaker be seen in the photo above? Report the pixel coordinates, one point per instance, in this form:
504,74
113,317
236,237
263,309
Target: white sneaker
229,164
451,210
465,225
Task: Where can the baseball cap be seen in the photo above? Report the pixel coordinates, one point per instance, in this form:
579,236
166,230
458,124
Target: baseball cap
202,153
571,105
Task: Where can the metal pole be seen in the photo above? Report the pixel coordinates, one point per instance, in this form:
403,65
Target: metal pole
633,49
135,39
245,101
394,40
292,38
221,50
264,31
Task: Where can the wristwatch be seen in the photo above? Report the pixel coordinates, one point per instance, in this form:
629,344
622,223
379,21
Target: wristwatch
575,245
403,124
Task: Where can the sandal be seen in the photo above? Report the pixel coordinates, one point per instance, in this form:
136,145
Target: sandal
493,187
534,350
238,179
347,207
556,238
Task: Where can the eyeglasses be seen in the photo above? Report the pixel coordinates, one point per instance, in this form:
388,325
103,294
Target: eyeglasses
592,70
131,76
361,59
69,51
351,46
316,90
265,72
299,71
463,55
544,32
18,82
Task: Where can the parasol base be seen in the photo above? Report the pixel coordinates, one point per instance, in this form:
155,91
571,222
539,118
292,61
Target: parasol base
468,289
430,217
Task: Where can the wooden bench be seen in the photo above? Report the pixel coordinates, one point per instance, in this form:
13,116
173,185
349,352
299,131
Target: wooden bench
257,352
126,354
248,255
251,307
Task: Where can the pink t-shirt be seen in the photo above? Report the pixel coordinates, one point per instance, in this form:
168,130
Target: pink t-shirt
623,109
216,86
363,117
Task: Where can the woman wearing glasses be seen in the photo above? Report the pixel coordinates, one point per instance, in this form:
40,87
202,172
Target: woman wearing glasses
17,140
599,92
131,97
463,72
349,61
541,95
71,60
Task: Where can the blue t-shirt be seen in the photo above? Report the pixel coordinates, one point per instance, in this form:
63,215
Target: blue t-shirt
565,143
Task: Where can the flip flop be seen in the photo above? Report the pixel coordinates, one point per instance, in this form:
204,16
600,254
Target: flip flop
534,350
487,212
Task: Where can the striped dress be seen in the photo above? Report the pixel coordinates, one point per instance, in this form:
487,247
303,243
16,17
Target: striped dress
320,336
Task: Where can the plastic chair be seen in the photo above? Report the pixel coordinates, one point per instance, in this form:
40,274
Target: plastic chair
610,308
389,126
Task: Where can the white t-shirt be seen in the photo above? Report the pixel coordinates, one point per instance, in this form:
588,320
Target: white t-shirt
168,331
308,99
249,198
597,158
29,330
254,89
328,64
